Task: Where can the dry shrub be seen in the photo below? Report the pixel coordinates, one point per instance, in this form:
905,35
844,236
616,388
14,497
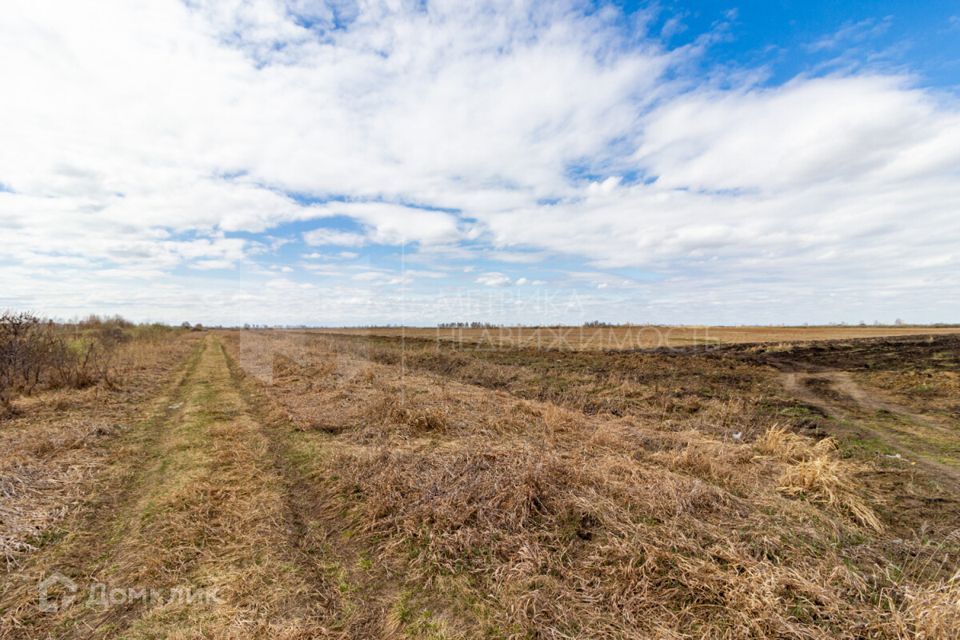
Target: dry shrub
27,347
83,362
36,353
816,472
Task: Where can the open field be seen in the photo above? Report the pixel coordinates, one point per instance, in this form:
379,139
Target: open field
310,484
336,320
638,336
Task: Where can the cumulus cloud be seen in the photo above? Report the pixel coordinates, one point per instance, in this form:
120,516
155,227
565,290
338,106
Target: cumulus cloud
180,134
493,279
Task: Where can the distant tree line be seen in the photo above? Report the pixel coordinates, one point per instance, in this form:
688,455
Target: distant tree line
491,325
467,325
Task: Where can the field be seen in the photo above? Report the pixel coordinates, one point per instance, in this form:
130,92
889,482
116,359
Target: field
637,336
387,484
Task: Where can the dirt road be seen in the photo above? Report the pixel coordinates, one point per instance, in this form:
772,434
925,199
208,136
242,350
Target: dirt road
862,413
189,535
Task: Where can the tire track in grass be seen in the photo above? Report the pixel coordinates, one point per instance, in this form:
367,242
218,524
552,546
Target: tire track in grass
298,493
315,542
857,412
361,595
201,526
80,545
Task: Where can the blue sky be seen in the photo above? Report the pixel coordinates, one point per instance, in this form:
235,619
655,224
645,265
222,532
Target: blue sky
328,163
823,36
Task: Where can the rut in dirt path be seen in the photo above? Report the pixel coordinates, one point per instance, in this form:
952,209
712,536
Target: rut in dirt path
842,398
843,383
202,532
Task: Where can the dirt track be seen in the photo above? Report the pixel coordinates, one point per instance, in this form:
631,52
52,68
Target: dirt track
194,510
854,408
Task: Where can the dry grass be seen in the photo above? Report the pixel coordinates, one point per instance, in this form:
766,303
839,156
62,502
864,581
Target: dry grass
330,492
931,391
790,447
389,407
827,480
208,513
517,517
635,337
930,612
585,546
59,440
814,471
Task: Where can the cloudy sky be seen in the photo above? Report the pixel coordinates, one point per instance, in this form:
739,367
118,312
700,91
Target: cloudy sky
341,162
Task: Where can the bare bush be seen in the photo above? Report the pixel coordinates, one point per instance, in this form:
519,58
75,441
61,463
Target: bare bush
35,353
26,346
82,362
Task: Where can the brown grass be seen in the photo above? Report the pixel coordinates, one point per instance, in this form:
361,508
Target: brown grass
931,611
633,337
815,472
389,407
331,492
58,440
521,517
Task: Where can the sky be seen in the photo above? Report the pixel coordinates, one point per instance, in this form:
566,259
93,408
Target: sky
293,162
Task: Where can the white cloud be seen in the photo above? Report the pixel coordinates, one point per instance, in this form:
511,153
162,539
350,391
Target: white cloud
396,224
212,264
809,132
319,237
493,279
853,33
148,142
